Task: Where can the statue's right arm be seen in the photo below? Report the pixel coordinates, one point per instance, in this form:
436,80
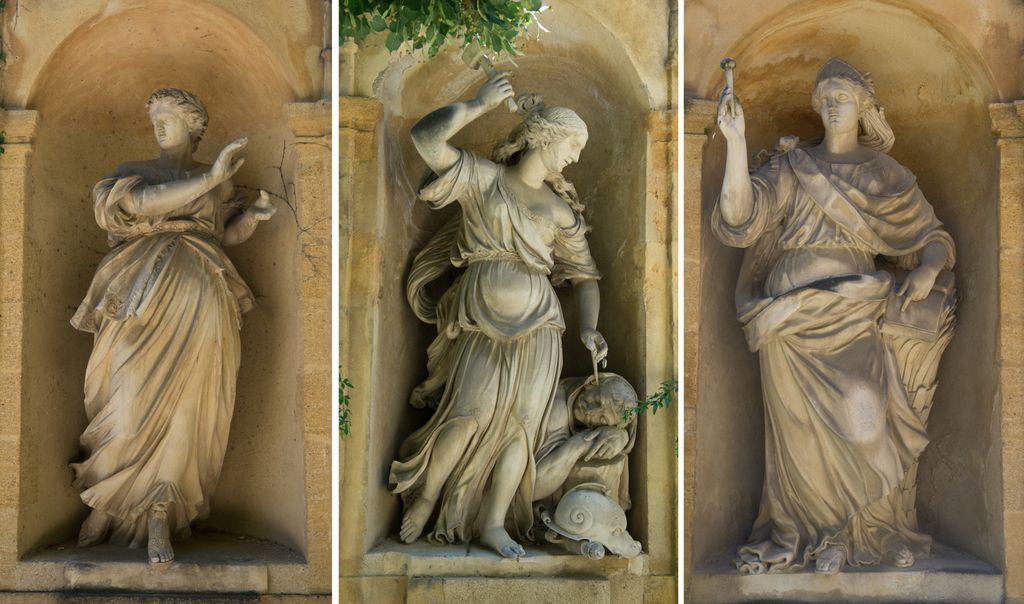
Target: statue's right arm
156,200
737,198
430,135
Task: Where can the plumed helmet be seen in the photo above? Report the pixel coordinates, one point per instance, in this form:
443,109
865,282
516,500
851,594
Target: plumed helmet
587,513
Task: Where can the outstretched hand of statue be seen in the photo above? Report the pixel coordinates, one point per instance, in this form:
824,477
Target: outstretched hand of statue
595,343
731,122
263,208
495,91
227,163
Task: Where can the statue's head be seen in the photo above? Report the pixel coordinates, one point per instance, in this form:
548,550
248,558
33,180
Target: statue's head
587,513
604,403
178,116
557,133
845,100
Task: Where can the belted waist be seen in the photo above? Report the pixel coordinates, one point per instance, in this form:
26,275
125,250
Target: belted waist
172,226
472,257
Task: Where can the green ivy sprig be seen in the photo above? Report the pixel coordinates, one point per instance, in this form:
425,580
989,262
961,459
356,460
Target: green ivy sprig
659,400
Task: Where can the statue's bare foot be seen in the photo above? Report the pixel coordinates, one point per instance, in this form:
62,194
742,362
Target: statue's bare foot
831,560
415,519
93,529
901,557
159,537
498,539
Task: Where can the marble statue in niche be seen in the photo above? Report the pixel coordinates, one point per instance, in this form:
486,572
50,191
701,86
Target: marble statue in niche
470,474
165,309
846,294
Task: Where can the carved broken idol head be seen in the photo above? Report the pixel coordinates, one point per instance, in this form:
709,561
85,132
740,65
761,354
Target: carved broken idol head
604,403
845,99
178,117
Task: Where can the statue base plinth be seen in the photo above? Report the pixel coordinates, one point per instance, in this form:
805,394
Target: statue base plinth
214,563
945,576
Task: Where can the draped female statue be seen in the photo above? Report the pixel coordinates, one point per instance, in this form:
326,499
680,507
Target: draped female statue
495,363
165,308
848,351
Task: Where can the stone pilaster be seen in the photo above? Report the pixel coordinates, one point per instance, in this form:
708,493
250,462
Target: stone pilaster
362,256
19,129
1008,125
310,124
698,119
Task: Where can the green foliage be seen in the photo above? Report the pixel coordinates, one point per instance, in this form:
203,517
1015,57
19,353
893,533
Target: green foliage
3,141
344,413
428,24
659,400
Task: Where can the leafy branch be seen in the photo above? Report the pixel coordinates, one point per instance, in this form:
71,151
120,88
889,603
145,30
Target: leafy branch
659,400
428,24
344,412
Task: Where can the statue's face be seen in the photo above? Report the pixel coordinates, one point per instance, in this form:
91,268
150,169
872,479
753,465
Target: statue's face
592,409
560,154
840,107
170,129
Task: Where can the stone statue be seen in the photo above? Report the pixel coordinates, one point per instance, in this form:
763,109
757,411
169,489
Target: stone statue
165,307
583,466
848,349
495,364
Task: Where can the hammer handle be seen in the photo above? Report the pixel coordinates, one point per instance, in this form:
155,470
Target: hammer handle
490,70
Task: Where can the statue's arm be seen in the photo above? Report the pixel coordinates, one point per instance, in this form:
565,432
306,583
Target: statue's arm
588,303
737,198
242,226
554,468
430,135
155,200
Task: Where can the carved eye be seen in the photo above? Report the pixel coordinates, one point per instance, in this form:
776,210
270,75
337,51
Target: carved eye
617,532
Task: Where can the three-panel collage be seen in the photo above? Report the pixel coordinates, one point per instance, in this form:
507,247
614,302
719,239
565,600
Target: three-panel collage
445,301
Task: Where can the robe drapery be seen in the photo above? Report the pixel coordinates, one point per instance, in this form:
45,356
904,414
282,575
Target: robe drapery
840,433
165,307
499,349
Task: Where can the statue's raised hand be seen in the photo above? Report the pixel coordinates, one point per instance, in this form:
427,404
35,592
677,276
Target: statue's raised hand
730,117
227,163
496,90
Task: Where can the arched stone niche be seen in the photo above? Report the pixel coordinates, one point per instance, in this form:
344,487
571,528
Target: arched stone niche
90,97
581,65
935,90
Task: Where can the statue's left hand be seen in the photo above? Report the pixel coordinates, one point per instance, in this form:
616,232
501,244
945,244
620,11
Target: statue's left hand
605,442
264,208
595,343
917,286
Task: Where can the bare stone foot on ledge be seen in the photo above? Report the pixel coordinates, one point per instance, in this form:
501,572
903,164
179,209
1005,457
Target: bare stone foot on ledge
831,560
415,519
159,547
93,529
499,540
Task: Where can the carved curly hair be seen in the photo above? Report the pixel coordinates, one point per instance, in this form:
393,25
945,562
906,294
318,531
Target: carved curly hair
185,104
542,126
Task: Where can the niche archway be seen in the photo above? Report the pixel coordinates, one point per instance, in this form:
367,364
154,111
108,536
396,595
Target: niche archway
935,89
91,99
578,64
